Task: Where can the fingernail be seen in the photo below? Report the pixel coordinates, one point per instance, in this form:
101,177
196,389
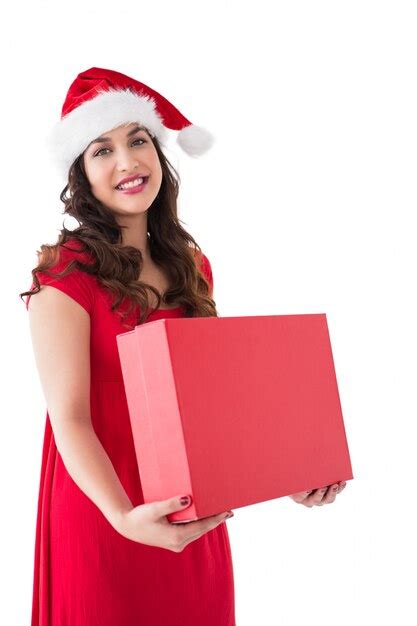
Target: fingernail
229,515
185,500
335,488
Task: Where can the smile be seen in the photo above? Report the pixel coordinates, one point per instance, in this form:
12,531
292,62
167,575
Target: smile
134,186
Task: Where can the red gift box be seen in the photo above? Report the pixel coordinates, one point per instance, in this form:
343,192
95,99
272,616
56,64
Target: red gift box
233,410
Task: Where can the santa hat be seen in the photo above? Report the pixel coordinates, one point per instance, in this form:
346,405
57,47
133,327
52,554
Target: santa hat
100,100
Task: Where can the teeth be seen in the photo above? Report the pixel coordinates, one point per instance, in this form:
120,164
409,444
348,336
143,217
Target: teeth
132,183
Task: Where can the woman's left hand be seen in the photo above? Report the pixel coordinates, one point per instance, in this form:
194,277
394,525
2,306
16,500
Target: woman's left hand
318,497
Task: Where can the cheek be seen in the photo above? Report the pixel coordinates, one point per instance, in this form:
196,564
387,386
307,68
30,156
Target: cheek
153,160
98,175
157,170
159,176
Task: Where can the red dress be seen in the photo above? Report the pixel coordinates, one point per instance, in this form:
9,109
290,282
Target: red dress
85,572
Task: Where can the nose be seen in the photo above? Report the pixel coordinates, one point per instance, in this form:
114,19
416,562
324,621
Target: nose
126,160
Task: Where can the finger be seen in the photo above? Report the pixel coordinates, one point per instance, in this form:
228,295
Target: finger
200,529
331,494
316,497
195,529
185,543
300,496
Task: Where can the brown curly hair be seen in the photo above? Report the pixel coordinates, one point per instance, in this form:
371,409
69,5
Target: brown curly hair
118,267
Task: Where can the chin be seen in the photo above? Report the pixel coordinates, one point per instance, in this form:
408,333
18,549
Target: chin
131,210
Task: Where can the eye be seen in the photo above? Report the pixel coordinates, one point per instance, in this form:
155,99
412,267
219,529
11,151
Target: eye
140,139
133,142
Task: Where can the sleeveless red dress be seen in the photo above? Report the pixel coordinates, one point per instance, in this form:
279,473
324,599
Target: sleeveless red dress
85,572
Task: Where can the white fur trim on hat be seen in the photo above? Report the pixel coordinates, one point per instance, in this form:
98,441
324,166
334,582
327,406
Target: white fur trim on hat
195,140
106,111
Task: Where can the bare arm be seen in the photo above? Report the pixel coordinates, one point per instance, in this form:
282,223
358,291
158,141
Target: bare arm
60,331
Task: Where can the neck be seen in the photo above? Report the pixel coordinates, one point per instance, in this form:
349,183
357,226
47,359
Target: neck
137,240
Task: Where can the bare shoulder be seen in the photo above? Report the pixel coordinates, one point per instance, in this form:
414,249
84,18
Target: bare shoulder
60,333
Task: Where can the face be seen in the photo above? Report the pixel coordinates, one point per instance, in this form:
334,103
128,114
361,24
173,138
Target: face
121,153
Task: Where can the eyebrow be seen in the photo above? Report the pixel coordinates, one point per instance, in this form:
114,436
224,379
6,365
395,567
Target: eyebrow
103,139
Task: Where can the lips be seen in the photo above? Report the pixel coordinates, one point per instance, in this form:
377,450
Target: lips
135,189
129,179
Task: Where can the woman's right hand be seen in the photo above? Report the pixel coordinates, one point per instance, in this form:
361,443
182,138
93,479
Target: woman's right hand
148,524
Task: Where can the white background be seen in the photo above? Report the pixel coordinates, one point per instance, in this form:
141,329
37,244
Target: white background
305,204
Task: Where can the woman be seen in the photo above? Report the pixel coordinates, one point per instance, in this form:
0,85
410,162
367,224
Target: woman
102,556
